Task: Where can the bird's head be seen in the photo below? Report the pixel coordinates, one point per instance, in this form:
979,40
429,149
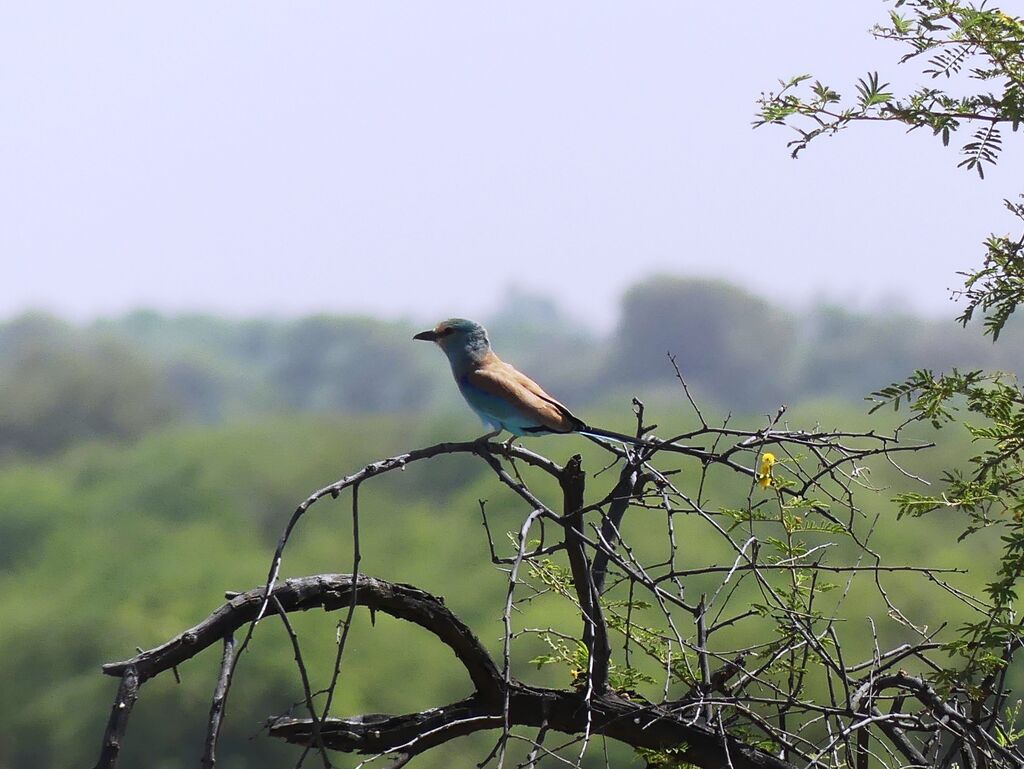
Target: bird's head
458,338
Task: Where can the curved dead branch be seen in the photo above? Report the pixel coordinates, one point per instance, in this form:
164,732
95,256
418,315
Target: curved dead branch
328,592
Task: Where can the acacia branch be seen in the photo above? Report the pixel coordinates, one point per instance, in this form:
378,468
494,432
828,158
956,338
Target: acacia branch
699,729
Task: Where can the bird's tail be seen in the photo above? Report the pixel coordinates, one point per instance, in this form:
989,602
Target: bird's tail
597,432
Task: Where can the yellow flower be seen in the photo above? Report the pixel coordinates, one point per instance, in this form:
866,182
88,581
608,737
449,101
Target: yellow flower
764,477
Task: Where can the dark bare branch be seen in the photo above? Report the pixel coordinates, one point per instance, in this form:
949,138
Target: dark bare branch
117,724
329,592
209,759
636,724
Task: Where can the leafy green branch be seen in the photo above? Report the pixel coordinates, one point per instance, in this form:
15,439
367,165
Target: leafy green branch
960,41
998,287
989,493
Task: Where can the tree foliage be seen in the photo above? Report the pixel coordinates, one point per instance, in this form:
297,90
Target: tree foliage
61,386
716,331
953,42
973,54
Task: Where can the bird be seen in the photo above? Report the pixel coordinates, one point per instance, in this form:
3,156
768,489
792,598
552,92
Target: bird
503,397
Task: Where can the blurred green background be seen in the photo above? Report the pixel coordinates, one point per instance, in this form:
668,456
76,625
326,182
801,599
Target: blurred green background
148,463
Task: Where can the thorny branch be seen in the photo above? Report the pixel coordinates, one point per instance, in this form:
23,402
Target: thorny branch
733,651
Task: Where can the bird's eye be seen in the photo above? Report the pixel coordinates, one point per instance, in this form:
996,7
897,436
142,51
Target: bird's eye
446,331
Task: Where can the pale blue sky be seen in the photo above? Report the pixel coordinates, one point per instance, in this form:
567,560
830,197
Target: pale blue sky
415,159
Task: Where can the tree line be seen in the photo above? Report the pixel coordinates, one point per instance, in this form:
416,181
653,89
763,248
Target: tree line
123,377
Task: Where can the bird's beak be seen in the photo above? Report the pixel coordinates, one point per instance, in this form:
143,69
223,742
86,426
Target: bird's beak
427,336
